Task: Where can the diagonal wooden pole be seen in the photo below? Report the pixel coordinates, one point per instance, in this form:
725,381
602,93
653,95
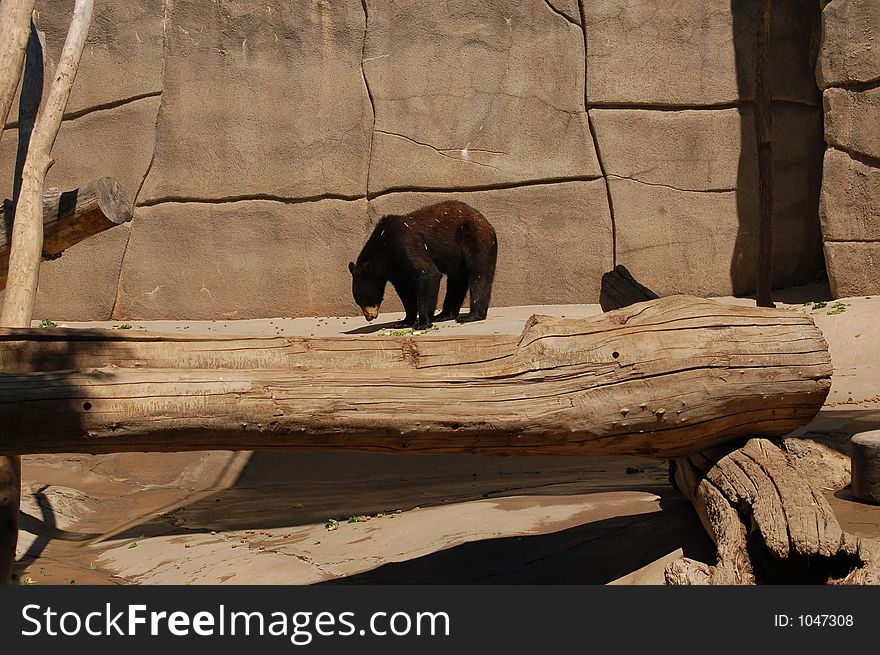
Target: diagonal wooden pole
27,246
15,21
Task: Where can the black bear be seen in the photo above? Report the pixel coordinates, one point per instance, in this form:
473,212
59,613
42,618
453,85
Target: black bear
414,251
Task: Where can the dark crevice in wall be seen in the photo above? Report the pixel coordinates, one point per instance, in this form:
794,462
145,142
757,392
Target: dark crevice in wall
565,15
827,239
860,157
113,104
736,104
857,87
134,200
669,186
378,194
484,187
370,96
248,197
595,138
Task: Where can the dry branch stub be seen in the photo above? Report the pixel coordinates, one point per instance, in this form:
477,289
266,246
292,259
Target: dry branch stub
664,378
769,523
72,216
620,289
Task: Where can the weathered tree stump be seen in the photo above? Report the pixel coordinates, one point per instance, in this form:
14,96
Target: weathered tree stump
664,378
866,466
620,289
72,216
769,523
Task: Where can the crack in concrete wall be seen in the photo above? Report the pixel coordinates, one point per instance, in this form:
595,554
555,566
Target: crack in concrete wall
370,96
565,15
669,186
595,138
166,18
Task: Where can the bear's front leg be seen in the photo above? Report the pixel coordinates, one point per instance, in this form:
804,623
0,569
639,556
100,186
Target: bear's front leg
428,291
408,296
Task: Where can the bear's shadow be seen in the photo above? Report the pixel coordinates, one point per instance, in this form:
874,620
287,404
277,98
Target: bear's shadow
369,329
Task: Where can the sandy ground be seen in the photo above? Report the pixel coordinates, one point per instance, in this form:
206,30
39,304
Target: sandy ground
300,518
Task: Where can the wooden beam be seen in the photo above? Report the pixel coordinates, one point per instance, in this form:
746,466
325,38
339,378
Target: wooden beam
72,216
663,378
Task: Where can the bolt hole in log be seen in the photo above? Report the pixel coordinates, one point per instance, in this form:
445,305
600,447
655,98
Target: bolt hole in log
615,354
87,406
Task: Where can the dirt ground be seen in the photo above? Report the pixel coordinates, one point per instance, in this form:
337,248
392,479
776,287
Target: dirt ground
302,518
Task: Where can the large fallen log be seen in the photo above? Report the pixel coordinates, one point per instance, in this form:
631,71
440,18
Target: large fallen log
769,523
71,216
664,378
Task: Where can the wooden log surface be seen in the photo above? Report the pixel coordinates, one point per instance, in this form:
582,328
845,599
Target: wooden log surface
663,378
72,216
769,522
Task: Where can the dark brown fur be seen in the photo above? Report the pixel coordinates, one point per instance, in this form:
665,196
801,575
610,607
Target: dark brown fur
414,251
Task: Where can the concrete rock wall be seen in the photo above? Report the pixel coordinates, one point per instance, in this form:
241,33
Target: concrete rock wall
261,141
849,74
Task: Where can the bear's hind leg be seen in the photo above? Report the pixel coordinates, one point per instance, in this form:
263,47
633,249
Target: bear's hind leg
456,289
481,292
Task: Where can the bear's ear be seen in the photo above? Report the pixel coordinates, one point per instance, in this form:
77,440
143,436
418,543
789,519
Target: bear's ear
351,267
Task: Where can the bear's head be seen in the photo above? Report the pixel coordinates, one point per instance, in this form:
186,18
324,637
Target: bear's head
367,287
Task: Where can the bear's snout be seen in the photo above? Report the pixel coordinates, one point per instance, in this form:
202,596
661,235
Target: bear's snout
370,312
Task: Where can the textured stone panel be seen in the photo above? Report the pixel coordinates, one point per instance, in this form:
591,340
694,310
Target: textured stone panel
475,93
850,207
123,53
114,143
240,260
81,284
849,52
712,150
677,52
678,241
554,240
694,150
852,267
263,100
852,120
